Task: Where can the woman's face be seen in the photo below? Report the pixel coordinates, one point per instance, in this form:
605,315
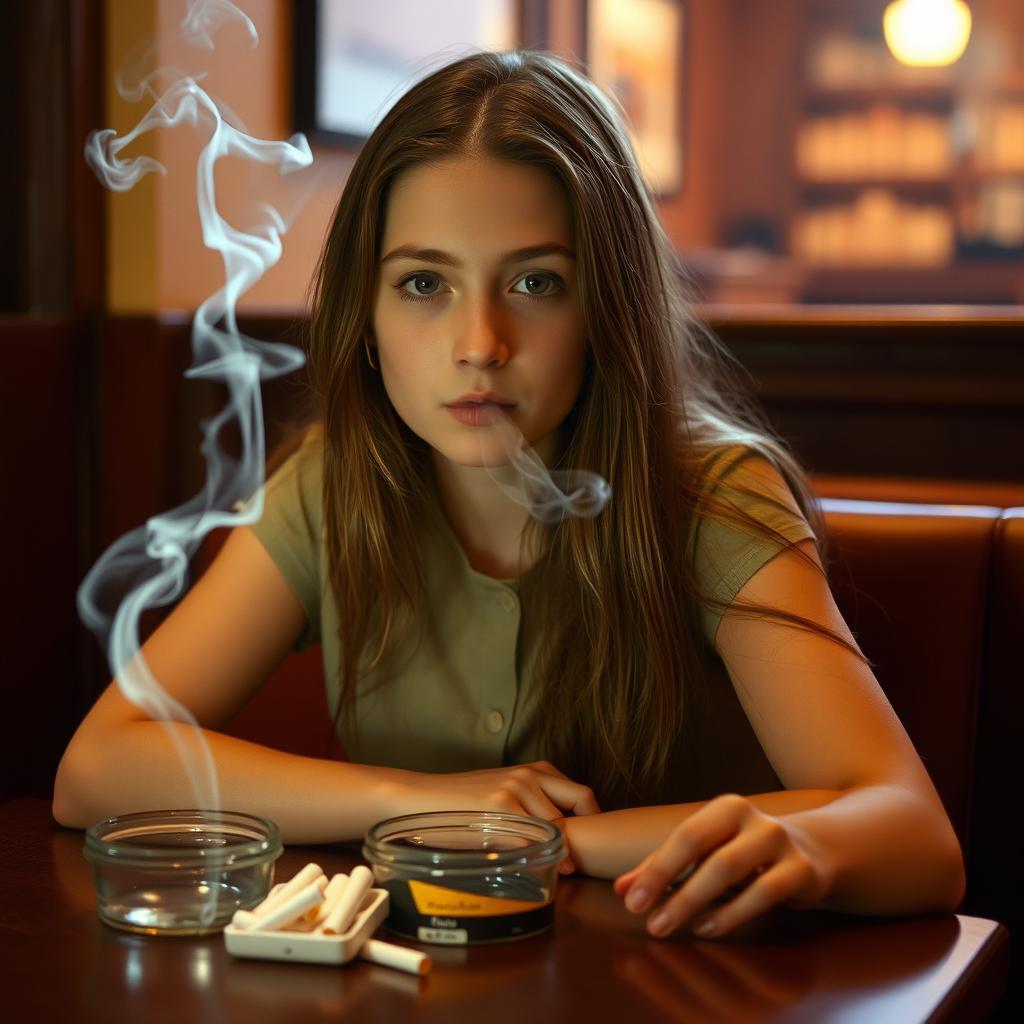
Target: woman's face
477,313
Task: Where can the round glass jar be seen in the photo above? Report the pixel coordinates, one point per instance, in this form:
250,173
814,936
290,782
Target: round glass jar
180,872
466,877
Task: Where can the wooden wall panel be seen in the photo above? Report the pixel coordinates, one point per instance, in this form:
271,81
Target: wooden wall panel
913,393
41,455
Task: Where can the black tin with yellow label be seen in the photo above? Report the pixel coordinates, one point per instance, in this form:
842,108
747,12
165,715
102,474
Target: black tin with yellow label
467,877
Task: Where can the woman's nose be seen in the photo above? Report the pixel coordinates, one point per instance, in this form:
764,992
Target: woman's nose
481,337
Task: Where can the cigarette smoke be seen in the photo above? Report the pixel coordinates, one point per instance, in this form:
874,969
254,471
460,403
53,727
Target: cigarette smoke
148,567
548,495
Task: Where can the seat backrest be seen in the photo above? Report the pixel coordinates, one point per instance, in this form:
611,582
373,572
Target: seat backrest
289,711
997,840
997,493
911,581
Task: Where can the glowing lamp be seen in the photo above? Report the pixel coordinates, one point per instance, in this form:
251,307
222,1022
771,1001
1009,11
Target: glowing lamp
927,33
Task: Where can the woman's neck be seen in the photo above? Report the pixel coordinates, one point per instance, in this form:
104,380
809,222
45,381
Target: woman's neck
488,524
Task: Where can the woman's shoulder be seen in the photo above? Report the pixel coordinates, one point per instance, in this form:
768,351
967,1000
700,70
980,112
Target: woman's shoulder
293,494
735,479
743,475
745,512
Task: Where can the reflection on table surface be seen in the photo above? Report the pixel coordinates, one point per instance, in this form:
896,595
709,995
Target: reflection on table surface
596,964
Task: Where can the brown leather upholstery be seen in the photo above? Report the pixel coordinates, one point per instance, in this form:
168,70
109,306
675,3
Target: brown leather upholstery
911,581
289,712
997,853
1000,494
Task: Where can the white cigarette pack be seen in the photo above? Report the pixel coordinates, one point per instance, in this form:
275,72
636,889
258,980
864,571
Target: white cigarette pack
302,942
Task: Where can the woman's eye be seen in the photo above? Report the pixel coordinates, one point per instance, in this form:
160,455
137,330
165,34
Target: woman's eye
538,285
419,286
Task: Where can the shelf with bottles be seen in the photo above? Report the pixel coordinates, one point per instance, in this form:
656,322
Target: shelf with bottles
997,130
874,227
878,140
904,167
847,55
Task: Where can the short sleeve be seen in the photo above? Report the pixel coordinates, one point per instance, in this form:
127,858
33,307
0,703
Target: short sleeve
290,529
728,553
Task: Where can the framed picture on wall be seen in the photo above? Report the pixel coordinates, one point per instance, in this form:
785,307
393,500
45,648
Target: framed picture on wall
634,51
353,60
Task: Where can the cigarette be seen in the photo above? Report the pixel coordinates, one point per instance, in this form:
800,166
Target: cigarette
310,873
244,919
292,908
349,902
335,887
314,912
413,961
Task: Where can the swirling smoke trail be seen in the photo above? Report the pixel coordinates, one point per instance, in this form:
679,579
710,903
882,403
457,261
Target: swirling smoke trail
548,495
148,567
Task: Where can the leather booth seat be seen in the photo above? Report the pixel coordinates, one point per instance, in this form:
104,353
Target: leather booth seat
999,494
912,581
996,856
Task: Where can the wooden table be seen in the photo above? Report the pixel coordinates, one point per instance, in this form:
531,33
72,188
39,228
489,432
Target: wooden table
58,962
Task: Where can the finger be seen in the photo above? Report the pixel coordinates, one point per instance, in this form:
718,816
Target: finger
710,827
728,866
537,805
775,886
621,884
639,898
625,880
534,801
569,795
547,768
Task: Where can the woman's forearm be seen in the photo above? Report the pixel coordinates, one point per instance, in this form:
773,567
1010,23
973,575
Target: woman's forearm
883,849
138,768
889,851
606,845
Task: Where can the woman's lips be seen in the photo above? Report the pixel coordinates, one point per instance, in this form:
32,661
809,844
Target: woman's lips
477,414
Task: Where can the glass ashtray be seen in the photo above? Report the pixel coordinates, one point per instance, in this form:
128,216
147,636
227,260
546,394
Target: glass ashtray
180,872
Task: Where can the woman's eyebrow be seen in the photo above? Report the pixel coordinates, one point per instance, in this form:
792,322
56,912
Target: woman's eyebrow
446,259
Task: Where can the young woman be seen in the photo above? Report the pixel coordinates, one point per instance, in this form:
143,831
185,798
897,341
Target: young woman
495,255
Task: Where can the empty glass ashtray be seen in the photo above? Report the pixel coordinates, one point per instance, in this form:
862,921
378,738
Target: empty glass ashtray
180,872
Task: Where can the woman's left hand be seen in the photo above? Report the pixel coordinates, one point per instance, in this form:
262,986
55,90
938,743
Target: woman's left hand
728,845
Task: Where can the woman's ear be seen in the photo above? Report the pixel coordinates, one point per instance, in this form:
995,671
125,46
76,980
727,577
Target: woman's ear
369,344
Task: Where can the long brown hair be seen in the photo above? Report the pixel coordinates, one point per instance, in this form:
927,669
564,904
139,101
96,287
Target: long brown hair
622,644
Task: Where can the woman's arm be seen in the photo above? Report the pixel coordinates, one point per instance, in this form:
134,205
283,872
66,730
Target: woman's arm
607,845
860,828
211,654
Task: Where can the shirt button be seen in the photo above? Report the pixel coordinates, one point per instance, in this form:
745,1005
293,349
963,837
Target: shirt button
509,603
495,721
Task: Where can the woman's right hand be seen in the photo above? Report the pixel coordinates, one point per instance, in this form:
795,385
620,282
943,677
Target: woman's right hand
538,789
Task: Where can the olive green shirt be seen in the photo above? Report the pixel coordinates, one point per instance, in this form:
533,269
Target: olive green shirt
458,697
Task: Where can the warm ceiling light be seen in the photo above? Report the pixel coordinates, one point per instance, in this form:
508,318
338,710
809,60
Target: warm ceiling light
927,33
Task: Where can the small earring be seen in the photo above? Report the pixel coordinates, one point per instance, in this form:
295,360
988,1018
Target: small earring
369,355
